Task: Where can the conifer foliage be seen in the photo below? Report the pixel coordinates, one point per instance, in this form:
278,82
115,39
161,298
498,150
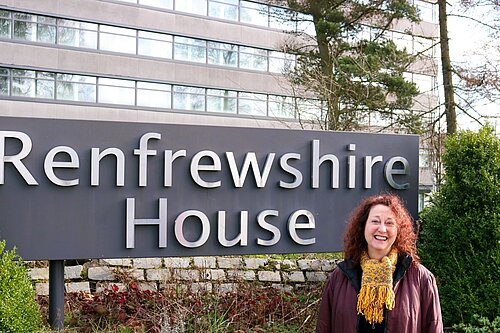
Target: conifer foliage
349,62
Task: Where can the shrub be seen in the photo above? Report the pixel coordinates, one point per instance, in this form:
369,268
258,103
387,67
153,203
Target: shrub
18,307
250,308
460,231
479,325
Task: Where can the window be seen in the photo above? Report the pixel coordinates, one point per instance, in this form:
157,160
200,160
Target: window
305,24
155,45
282,19
46,30
280,62
379,119
426,11
117,39
4,81
221,101
115,91
77,34
425,83
222,54
251,58
34,28
254,13
5,24
192,6
362,33
154,95
254,104
28,83
189,98
423,158
308,109
23,83
281,107
403,41
77,88
190,49
424,46
224,9
45,85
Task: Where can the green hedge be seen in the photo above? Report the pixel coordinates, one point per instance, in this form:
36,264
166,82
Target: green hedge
460,230
479,325
19,310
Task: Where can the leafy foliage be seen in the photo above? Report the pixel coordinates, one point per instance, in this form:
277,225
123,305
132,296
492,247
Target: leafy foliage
18,307
460,231
250,308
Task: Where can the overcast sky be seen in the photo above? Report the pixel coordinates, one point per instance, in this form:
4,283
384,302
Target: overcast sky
468,41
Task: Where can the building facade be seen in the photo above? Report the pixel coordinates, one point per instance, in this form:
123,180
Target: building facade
211,62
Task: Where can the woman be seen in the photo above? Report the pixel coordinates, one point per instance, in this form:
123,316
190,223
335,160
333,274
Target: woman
380,286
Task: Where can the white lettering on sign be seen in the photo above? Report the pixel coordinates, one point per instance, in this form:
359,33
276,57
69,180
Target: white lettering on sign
241,239
97,156
16,159
395,166
49,165
143,153
161,222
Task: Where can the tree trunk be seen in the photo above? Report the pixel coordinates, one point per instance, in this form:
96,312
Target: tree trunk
449,100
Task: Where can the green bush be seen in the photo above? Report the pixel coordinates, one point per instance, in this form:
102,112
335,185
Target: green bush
460,230
479,325
18,307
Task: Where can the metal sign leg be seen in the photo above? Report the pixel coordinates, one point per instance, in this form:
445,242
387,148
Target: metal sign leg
56,294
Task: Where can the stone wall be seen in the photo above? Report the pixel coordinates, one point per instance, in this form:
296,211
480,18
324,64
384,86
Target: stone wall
197,273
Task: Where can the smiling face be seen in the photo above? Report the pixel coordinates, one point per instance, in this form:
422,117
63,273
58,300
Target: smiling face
380,231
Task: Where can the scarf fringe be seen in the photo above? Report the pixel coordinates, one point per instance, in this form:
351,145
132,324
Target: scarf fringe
372,300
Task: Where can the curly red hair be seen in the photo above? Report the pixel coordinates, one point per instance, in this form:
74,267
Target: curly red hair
354,237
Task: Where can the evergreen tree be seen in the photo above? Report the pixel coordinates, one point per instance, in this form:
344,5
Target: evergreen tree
351,74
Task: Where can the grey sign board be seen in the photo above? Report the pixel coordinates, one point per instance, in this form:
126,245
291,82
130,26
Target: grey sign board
73,189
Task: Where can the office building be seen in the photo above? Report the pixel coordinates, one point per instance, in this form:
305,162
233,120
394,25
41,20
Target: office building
211,62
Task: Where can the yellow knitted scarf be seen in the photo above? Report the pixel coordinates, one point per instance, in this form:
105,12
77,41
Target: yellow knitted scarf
376,286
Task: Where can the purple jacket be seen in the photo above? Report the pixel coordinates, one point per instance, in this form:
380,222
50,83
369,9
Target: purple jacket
417,308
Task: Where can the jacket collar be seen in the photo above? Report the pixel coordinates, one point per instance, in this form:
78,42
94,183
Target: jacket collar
353,272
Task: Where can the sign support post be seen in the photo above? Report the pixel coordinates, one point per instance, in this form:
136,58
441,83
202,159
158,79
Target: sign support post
56,294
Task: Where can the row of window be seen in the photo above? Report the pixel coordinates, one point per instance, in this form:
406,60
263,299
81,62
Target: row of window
37,28
64,87
247,12
253,12
412,44
91,89
43,29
